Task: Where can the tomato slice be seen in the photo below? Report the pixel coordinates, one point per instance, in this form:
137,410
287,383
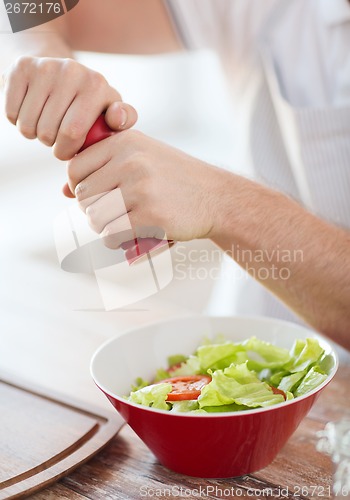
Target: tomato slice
278,391
185,388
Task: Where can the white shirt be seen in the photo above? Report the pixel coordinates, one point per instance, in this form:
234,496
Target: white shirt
288,67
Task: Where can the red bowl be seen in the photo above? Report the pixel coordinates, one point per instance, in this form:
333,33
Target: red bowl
213,445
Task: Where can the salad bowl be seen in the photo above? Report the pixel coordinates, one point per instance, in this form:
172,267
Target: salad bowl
208,445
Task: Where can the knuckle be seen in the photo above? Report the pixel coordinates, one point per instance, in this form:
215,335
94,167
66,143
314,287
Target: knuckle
97,81
143,190
136,163
92,215
80,190
129,169
150,212
110,240
61,154
91,212
138,158
71,68
137,168
46,137
27,130
23,62
18,70
74,130
47,67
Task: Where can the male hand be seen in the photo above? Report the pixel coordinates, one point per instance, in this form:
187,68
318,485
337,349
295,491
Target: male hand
130,184
58,101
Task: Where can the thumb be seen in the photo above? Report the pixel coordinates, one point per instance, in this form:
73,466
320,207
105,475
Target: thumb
120,116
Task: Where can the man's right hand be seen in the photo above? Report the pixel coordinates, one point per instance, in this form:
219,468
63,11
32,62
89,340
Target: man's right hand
58,101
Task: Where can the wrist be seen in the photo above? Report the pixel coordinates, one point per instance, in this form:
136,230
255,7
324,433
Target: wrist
39,43
48,46
222,203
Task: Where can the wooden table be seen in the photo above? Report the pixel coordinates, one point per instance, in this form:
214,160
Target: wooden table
127,470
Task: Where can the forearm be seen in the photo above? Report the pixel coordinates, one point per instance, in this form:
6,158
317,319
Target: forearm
113,26
48,40
301,259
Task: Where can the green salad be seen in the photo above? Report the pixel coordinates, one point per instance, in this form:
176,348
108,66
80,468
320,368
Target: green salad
225,376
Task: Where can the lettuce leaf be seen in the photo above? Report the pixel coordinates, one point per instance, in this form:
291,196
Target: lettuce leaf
262,355
289,382
224,408
304,354
219,356
236,384
185,406
154,395
275,378
312,379
326,363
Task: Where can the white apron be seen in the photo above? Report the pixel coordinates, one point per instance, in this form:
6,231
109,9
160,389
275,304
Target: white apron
303,151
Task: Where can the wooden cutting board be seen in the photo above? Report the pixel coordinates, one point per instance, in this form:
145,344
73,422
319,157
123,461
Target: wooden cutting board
44,436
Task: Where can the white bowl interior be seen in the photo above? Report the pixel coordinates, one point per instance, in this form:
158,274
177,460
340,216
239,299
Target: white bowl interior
140,352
